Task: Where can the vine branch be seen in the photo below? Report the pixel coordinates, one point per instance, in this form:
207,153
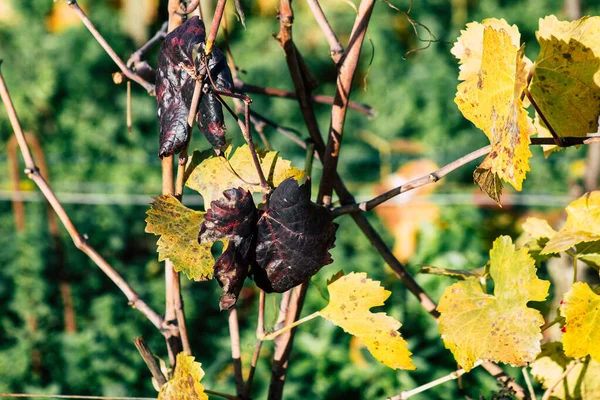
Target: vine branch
109,50
80,241
435,176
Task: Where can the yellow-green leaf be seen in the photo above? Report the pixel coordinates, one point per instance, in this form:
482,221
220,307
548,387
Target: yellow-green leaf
350,298
566,79
178,227
185,384
583,224
491,99
216,174
581,309
500,327
550,365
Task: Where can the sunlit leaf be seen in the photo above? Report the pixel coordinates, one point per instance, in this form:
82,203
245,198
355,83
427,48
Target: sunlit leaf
582,382
178,227
350,299
294,238
469,46
216,174
185,384
499,327
566,78
581,308
491,99
583,224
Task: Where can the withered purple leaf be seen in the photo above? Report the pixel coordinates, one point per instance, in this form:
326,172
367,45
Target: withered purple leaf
233,217
175,88
293,239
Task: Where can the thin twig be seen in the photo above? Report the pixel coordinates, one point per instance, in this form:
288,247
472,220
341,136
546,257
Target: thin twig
340,104
451,376
445,170
557,139
336,51
80,242
260,331
137,56
210,40
555,384
63,396
172,284
274,334
150,360
532,395
236,353
109,50
244,87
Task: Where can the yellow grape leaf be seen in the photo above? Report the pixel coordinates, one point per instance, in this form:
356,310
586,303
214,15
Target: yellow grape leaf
538,228
566,78
491,100
583,224
350,298
216,174
178,227
469,46
581,308
550,365
500,327
185,384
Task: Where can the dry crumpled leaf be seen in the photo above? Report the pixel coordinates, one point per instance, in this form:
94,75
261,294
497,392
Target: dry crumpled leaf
178,228
491,99
350,298
500,327
566,76
185,384
216,174
581,308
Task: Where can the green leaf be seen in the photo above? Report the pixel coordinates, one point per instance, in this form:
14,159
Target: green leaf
216,174
178,227
566,83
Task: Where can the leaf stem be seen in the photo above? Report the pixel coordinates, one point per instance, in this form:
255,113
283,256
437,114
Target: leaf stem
451,376
286,328
575,269
528,383
539,112
555,321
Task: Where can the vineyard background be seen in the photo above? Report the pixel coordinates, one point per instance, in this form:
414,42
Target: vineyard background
61,84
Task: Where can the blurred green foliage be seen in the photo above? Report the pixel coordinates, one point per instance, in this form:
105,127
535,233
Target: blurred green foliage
62,88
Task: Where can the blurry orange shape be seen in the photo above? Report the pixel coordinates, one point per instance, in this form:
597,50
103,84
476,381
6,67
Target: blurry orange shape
62,17
355,352
137,17
403,214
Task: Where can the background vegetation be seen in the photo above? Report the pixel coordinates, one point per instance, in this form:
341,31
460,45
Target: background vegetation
60,80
